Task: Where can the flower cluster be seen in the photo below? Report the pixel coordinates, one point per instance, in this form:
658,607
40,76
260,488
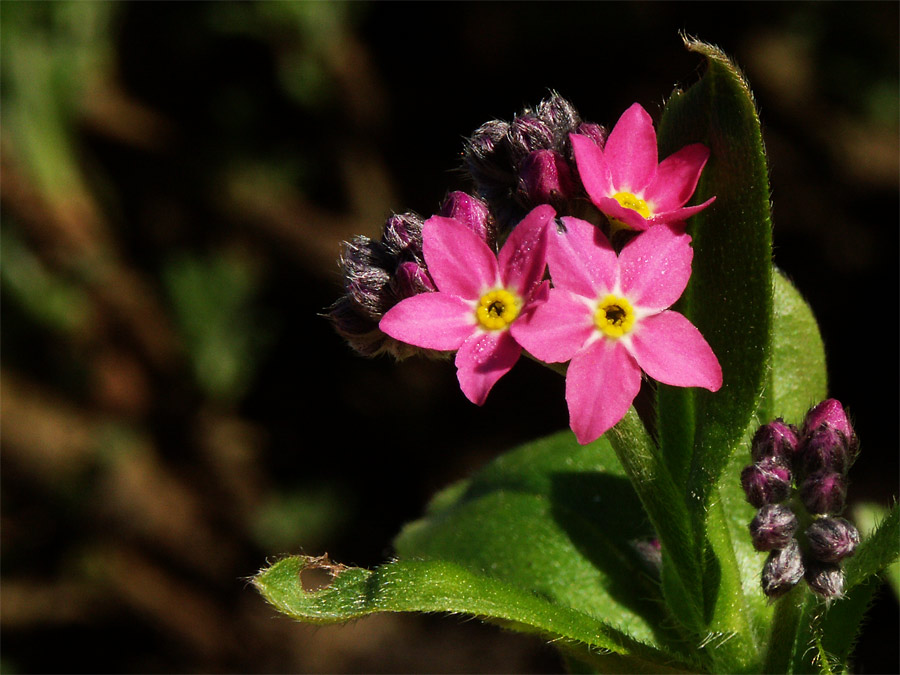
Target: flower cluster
554,190
798,483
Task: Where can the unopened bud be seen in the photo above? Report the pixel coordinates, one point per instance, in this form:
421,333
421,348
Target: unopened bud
783,569
826,579
593,131
831,539
411,279
773,527
545,178
825,448
528,133
766,482
825,428
472,212
824,492
403,235
776,439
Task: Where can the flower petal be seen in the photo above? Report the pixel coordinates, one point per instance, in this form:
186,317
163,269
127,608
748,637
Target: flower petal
671,350
523,257
592,167
676,178
678,215
482,360
431,320
555,330
631,152
458,260
581,258
601,383
655,267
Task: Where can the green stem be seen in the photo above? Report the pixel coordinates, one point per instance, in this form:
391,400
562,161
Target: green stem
789,609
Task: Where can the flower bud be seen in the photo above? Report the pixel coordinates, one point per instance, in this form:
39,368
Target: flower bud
766,482
783,569
472,212
593,131
773,527
545,178
410,279
829,441
831,539
403,235
824,492
826,579
528,133
776,439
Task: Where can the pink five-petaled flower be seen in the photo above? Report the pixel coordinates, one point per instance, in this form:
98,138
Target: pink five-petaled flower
625,182
609,315
479,296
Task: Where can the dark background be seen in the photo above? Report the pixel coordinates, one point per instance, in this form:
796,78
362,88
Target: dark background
176,181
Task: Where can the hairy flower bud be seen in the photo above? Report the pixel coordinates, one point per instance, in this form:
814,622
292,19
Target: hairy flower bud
402,236
593,131
378,275
828,440
773,527
545,178
776,439
767,481
824,492
472,212
782,570
825,579
831,539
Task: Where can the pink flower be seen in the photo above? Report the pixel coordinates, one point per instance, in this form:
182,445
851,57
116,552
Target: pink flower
479,297
609,315
624,181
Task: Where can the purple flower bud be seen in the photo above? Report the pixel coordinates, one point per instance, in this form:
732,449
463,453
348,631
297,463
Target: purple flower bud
782,571
831,539
828,438
825,448
545,178
773,527
559,115
824,492
593,131
766,482
826,579
411,279
403,235
472,212
528,133
487,158
776,439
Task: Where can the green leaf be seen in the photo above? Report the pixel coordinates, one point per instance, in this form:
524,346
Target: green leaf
876,553
440,586
798,377
729,297
549,538
558,519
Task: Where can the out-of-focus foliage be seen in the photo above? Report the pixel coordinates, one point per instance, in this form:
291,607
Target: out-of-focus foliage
175,180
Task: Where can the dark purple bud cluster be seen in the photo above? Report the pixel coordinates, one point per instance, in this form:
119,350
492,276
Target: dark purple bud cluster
520,164
798,482
379,274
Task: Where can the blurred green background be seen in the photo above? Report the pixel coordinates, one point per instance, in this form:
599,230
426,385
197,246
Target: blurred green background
176,181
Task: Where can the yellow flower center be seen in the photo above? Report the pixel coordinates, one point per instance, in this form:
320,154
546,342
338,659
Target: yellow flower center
629,201
614,316
497,309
